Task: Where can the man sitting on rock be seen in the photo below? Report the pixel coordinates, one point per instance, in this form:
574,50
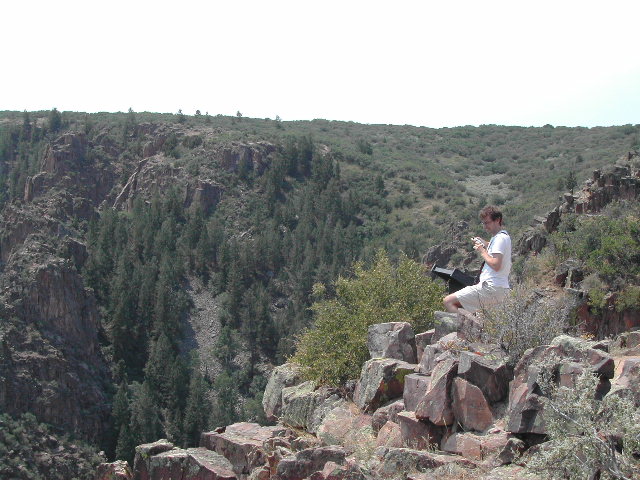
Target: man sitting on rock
494,277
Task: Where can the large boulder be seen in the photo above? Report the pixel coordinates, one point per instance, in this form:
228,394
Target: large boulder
394,462
417,434
286,375
449,346
390,435
243,444
144,453
415,387
345,425
487,372
381,380
306,462
304,405
190,464
422,340
627,378
388,412
470,407
436,404
392,340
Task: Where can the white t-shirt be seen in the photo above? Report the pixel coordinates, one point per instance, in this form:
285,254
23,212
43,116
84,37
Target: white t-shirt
499,243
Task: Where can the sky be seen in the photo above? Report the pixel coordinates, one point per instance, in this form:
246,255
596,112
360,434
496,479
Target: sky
424,63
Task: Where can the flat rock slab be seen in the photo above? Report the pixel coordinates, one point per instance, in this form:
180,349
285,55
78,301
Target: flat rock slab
415,387
476,447
190,464
381,380
436,404
118,470
392,340
242,444
144,452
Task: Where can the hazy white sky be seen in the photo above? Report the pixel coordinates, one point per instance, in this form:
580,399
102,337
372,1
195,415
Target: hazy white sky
431,63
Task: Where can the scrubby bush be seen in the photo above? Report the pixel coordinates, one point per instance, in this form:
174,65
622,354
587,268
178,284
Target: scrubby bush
526,320
334,350
588,438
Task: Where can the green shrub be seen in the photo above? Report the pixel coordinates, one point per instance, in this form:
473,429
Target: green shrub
334,350
588,438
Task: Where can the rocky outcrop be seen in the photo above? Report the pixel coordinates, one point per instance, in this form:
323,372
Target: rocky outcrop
286,375
392,340
52,366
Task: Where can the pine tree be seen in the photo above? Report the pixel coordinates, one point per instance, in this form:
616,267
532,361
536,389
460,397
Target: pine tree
197,410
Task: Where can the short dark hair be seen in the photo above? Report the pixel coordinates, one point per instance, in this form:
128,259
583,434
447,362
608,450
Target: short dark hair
491,211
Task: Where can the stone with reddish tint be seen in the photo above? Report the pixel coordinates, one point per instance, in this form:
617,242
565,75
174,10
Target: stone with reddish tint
118,470
392,340
476,447
418,434
436,403
510,452
415,387
381,380
306,462
422,340
190,464
242,444
390,461
389,435
627,378
470,406
448,346
490,375
333,471
144,452
345,425
386,413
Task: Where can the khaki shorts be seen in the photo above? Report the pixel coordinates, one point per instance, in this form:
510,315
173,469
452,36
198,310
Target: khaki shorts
476,297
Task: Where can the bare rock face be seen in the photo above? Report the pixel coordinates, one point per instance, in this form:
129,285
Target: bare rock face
161,460
470,407
286,375
306,462
252,156
388,412
392,340
345,425
380,381
243,444
477,447
415,387
52,364
490,374
436,405
304,406
418,434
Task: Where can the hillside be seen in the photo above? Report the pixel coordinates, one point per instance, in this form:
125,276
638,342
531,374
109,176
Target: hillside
129,239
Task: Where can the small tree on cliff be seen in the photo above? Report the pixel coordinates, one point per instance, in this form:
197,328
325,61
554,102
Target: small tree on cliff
334,350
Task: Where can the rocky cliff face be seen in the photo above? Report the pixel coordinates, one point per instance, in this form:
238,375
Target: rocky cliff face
52,362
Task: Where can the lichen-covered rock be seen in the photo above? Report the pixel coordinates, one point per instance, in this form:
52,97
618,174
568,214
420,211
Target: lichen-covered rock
626,380
392,340
243,444
190,464
389,435
304,463
393,462
422,340
381,380
304,405
143,456
345,425
476,447
286,375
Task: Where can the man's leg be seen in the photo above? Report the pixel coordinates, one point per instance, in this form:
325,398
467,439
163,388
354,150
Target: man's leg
451,303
